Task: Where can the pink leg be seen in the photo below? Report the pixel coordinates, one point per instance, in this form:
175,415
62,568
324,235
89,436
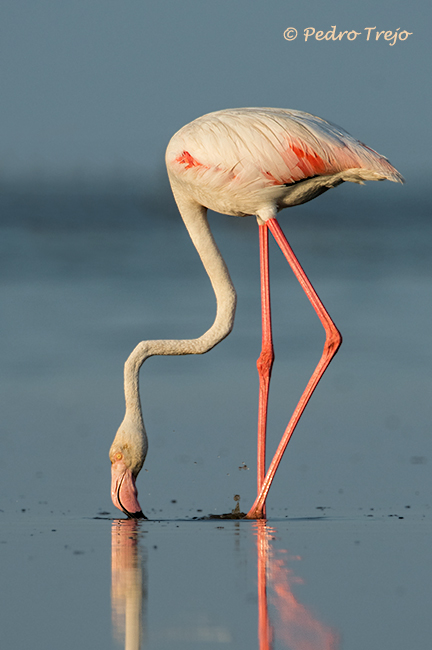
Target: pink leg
331,346
265,361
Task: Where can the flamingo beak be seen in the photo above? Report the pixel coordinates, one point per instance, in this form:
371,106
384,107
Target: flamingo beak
124,494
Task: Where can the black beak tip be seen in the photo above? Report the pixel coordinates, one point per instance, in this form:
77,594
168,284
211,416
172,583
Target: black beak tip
136,515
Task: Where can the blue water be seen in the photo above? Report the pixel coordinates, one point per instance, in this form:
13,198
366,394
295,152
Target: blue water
88,272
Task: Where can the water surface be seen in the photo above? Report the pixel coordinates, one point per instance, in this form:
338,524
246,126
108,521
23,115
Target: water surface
344,560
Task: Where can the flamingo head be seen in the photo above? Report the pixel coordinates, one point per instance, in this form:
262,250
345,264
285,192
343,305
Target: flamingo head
127,455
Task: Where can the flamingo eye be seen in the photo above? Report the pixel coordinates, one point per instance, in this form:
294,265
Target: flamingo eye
119,456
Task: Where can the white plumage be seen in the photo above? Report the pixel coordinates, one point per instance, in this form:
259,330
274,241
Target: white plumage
250,160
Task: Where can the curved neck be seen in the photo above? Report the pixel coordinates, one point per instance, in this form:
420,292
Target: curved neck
195,220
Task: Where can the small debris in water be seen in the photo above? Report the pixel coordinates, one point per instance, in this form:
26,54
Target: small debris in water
234,514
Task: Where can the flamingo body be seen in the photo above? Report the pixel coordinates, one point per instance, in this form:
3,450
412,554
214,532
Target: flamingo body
257,161
248,161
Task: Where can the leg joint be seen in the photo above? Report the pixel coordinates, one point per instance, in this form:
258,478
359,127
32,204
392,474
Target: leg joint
333,341
265,360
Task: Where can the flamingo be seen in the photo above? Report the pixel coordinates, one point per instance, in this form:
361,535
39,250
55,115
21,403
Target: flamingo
244,162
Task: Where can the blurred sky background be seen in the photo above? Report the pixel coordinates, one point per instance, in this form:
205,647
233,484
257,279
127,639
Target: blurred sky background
97,87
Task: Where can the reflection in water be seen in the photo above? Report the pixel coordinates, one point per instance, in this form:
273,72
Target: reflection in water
264,630
127,592
296,626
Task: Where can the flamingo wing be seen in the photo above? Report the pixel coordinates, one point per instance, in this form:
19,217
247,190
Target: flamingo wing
258,148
